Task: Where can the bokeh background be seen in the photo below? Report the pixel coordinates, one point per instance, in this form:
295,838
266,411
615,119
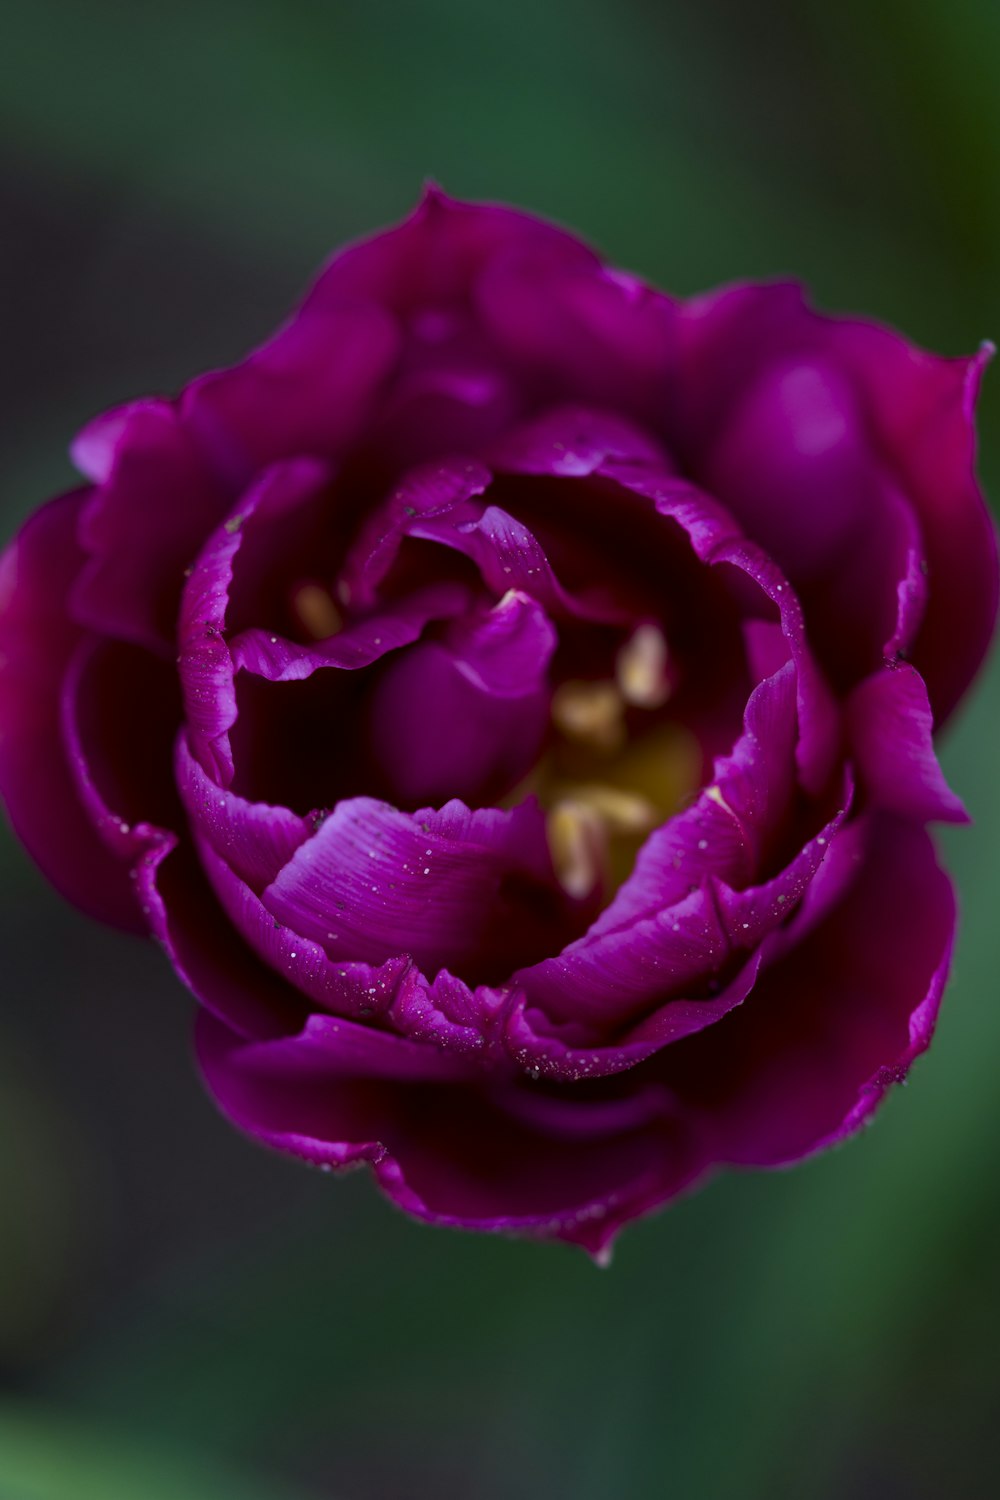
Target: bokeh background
182,1315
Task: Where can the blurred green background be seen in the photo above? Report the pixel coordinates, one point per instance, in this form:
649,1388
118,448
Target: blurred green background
182,1315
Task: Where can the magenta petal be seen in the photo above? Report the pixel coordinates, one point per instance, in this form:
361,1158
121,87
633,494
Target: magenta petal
465,716
541,1052
443,489
852,548
726,832
603,980
144,523
446,1012
120,709
256,840
921,409
37,641
441,503
357,646
796,431
725,338
717,541
910,570
583,332
572,442
917,411
432,259
509,556
467,891
305,393
208,953
344,987
488,1159
890,728
836,1020
205,663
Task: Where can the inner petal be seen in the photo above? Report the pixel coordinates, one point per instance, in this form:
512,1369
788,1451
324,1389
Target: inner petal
466,715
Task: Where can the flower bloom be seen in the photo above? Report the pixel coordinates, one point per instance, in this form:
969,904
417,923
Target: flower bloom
508,697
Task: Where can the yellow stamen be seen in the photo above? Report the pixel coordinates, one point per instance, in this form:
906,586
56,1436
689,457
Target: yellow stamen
578,844
619,811
594,833
641,668
596,827
316,612
591,713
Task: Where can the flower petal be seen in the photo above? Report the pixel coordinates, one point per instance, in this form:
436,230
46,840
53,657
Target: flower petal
307,392
501,1159
469,891
120,710
465,716
441,503
37,640
582,332
602,982
142,525
571,442
542,1052
734,823
433,258
342,987
718,541
356,646
921,408
207,951
890,728
205,663
832,1022
255,839
916,413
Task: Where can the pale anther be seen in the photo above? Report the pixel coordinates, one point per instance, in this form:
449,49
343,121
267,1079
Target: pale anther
641,668
591,713
316,612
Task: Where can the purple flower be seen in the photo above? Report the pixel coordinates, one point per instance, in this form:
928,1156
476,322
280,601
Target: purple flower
508,697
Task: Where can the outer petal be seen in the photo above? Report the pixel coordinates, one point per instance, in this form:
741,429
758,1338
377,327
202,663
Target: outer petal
433,259
756,360
36,642
835,1020
890,727
582,332
503,1159
922,408
120,709
207,952
305,393
154,503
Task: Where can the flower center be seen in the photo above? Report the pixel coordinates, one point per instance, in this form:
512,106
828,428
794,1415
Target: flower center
614,770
